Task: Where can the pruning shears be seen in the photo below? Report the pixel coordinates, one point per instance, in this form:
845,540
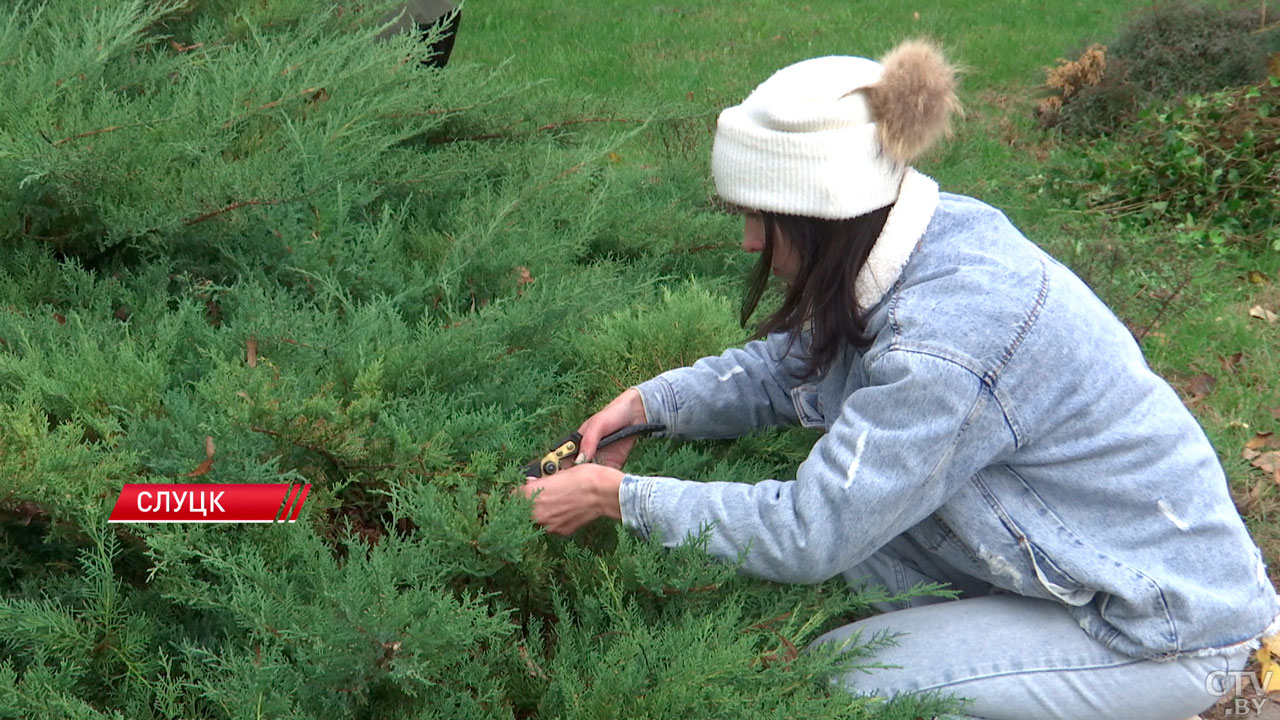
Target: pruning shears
569,445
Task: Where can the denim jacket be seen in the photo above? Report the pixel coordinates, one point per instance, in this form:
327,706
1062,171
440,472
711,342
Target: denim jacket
1003,418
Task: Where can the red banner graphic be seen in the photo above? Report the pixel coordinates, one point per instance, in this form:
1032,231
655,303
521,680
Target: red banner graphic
209,503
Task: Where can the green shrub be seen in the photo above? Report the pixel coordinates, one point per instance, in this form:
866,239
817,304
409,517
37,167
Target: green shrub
218,141
246,221
1184,48
1167,51
1100,109
1207,165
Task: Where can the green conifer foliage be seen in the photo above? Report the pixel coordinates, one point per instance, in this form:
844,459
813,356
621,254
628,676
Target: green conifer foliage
249,222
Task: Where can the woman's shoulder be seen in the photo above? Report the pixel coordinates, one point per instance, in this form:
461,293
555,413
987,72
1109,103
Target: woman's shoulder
972,284
964,214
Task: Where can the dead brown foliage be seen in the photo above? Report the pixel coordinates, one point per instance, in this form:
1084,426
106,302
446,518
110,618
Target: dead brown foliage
1068,78
1072,75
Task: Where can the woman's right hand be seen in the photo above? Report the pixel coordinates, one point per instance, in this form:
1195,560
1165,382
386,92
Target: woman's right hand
624,410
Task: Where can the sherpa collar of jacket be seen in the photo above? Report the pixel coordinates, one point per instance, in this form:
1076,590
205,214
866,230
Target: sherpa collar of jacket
907,221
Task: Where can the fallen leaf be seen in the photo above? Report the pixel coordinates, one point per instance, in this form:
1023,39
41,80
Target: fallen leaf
614,158
62,319
1229,362
251,351
1262,313
524,279
1263,452
123,313
1256,277
1272,644
207,465
1262,441
1268,462
1199,387
1268,672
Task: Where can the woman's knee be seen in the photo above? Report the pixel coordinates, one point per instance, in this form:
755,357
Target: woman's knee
1016,657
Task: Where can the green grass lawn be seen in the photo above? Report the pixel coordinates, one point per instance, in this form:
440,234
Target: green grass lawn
650,59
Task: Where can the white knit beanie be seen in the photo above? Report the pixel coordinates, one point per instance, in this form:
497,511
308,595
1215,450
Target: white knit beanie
832,137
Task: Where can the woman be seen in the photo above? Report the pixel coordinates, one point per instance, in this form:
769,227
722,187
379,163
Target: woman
989,424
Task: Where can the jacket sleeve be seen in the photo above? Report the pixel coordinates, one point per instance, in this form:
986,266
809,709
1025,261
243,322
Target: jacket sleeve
897,451
728,395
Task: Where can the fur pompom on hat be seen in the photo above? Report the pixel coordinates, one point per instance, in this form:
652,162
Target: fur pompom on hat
832,137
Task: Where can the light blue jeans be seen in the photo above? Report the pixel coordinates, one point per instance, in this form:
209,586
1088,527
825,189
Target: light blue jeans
1013,657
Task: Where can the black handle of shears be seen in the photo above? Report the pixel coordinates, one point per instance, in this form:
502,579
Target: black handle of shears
627,432
571,445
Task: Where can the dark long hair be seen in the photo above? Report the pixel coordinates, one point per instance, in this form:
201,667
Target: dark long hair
821,298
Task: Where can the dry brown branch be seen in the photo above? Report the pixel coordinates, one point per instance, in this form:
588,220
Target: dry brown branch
99,131
229,208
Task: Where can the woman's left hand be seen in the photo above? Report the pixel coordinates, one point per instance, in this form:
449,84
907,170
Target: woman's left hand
575,496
